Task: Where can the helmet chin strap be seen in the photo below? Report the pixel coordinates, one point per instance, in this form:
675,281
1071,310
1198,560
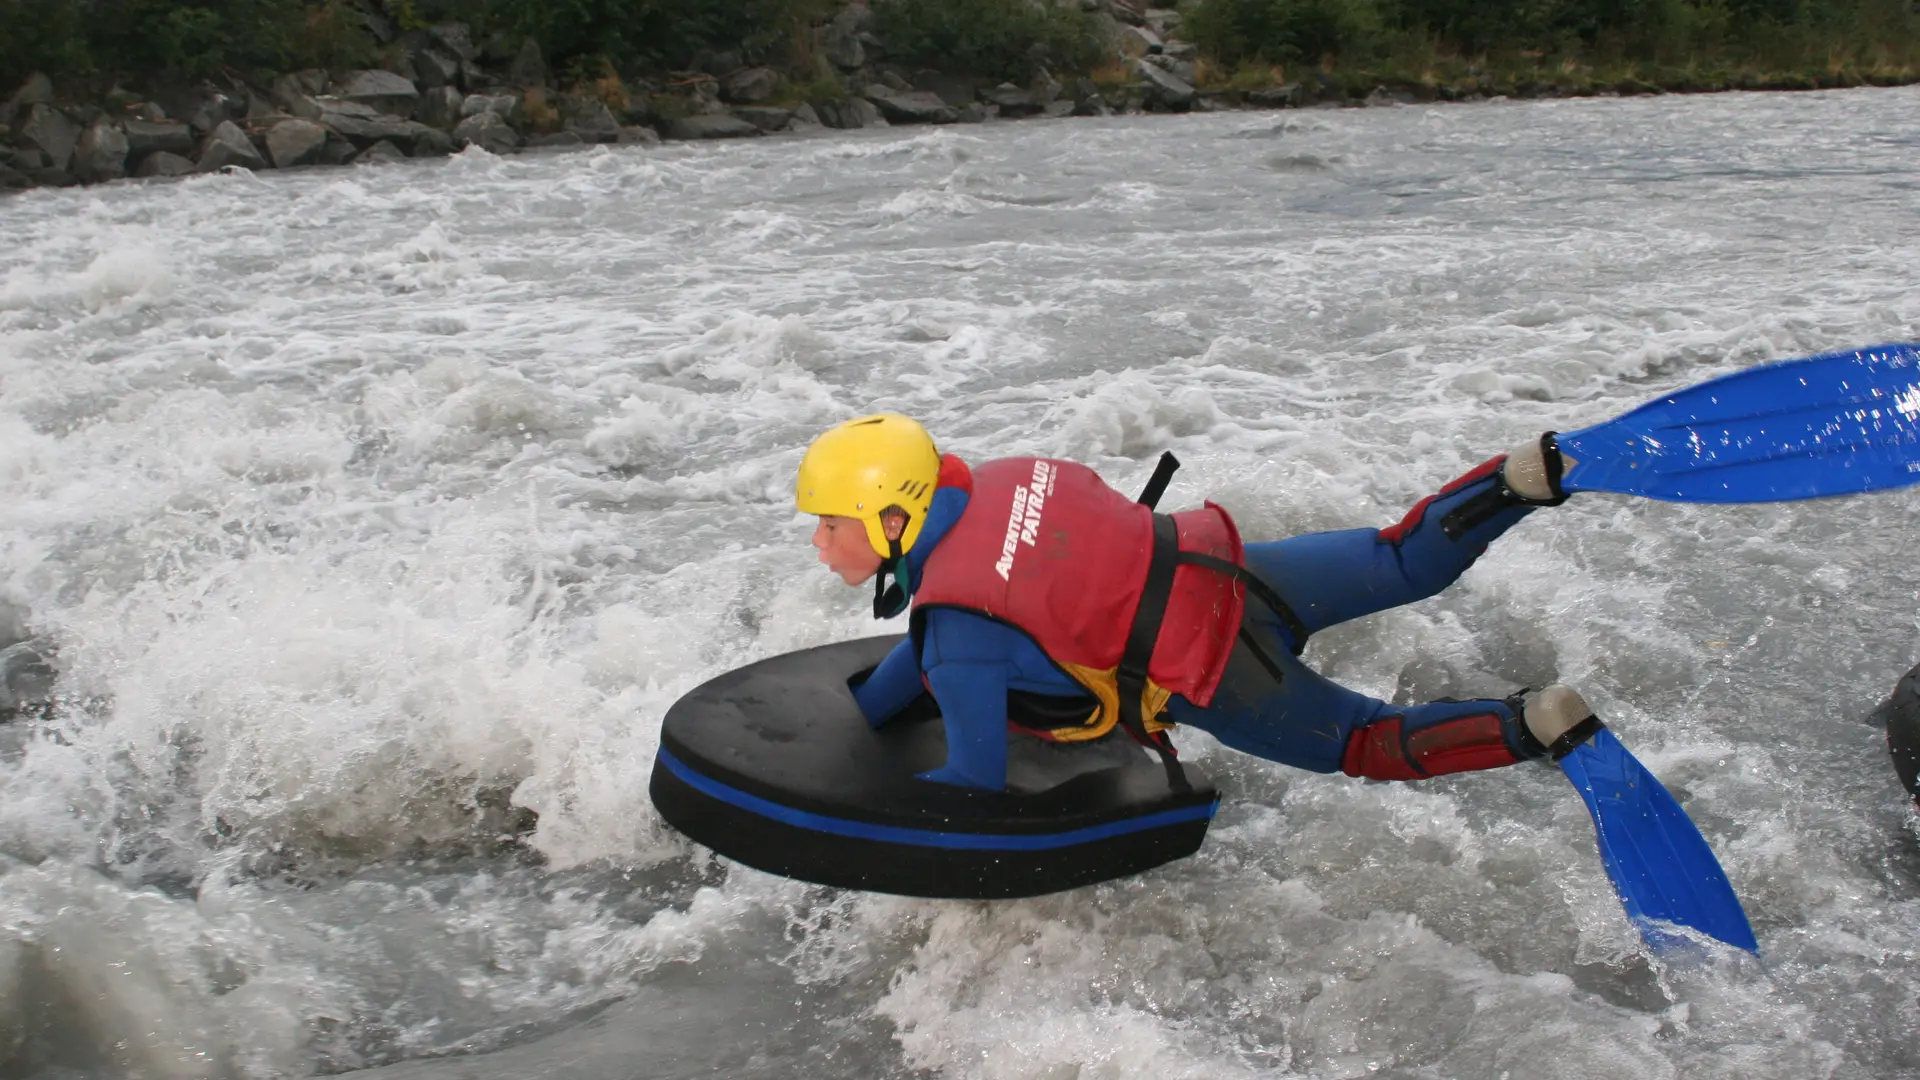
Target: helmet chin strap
890,600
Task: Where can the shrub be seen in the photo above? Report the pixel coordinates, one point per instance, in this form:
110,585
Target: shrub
1002,39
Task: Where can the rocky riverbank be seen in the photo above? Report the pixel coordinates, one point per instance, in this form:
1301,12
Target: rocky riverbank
438,93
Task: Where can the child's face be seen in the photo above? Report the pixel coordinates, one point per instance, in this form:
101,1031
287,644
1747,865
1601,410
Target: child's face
842,543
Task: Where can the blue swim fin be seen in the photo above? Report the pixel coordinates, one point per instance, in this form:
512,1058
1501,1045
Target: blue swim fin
1835,424
1661,866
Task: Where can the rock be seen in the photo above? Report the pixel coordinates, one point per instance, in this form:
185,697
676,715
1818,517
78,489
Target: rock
750,86
1132,12
433,69
292,143
51,177
48,130
637,135
1284,96
501,105
1162,21
589,118
844,114
1015,102
430,142
301,84
101,153
23,159
455,38
1181,50
1164,90
971,113
805,116
148,111
37,90
557,140
955,90
228,145
912,107
529,67
842,48
439,108
1138,41
338,151
363,132
150,137
163,163
376,22
201,106
765,117
709,127
892,80
14,180
381,91
1091,105
487,130
379,153
1059,109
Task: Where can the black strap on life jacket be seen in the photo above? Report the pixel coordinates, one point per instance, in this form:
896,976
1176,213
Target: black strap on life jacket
1131,677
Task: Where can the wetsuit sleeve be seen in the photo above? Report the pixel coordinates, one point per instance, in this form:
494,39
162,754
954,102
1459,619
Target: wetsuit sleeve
973,705
893,685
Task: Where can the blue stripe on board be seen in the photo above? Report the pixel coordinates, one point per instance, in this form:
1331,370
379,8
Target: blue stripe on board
895,834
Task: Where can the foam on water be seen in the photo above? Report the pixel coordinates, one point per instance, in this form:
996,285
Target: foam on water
372,519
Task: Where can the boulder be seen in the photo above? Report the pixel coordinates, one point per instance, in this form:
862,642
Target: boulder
379,153
433,69
228,145
529,67
1059,109
1132,12
163,163
709,127
309,84
804,116
51,177
1014,102
842,48
750,86
1138,41
201,106
37,90
559,140
1284,96
636,135
430,142
101,153
14,180
589,118
439,108
1091,105
955,90
971,113
849,113
381,91
48,130
912,107
455,38
364,131
501,105
23,159
292,143
765,117
1164,90
338,151
487,130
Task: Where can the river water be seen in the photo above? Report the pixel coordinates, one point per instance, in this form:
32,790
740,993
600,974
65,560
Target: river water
369,521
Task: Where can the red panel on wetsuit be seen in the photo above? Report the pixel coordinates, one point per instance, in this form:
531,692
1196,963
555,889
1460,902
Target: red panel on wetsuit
1397,532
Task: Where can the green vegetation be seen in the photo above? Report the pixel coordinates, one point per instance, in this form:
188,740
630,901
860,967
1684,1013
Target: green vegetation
1345,47
1573,46
1000,39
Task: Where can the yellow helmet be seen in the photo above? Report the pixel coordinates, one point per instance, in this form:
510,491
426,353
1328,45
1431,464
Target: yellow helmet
864,467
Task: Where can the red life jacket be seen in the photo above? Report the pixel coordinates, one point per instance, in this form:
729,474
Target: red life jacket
1047,547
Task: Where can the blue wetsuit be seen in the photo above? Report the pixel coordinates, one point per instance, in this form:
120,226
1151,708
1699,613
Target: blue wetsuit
1305,720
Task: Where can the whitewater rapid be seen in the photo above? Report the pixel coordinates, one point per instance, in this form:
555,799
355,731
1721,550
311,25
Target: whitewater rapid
368,520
